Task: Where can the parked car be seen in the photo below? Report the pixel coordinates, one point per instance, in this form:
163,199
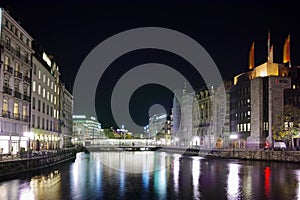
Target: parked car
279,145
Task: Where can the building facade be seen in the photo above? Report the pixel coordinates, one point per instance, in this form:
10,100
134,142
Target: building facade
15,83
258,97
45,106
86,130
160,129
66,117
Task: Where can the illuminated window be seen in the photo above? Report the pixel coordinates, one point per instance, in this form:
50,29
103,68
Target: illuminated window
55,100
39,89
33,86
248,127
294,86
51,85
5,105
48,82
44,78
48,95
16,108
57,114
55,88
44,92
58,90
24,110
54,113
51,98
249,112
40,74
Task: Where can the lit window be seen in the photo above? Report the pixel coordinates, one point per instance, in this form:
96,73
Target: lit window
33,86
44,92
248,100
48,95
57,114
54,113
55,100
39,89
44,78
40,74
294,86
55,88
5,105
58,90
249,112
51,85
24,110
16,108
51,98
48,82
248,127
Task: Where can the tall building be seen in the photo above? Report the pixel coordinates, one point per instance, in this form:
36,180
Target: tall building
15,83
66,117
45,114
258,97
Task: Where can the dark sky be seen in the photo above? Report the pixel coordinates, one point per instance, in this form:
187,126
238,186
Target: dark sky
69,31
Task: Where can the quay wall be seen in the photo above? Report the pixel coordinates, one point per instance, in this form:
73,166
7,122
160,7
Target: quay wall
269,155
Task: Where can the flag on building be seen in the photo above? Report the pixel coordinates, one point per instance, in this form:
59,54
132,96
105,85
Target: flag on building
271,54
269,40
286,50
251,56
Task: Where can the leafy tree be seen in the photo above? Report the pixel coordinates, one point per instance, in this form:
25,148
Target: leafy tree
287,124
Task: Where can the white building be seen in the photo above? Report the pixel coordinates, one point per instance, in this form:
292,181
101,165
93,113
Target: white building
15,83
86,130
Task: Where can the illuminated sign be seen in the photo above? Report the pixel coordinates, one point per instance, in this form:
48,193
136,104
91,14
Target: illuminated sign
79,116
46,59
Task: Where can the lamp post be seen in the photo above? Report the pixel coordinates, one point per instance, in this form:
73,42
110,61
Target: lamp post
30,136
233,137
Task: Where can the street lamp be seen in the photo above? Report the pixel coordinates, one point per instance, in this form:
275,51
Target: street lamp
30,136
233,137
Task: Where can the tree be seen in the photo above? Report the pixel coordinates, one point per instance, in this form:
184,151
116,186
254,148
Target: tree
287,124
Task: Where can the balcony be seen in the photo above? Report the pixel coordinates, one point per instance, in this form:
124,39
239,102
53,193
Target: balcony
26,79
16,116
8,69
7,90
18,95
25,118
26,97
18,75
5,114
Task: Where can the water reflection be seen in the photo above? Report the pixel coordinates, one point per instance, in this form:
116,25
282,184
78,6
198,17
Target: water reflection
233,181
196,176
176,177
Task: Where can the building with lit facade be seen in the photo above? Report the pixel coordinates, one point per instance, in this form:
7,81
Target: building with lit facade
86,130
160,128
258,97
204,117
15,84
45,106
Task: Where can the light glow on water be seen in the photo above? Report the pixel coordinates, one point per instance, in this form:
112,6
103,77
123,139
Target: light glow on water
233,181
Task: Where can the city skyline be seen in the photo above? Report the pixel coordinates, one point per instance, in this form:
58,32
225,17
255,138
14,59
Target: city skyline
226,31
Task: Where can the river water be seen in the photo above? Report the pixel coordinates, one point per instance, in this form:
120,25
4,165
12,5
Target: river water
156,175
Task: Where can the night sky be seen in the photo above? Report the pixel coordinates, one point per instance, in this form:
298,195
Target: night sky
69,31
